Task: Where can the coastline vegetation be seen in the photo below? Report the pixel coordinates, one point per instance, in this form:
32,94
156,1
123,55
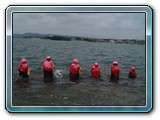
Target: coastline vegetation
77,38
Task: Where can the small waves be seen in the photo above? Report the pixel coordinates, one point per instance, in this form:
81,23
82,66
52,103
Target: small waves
87,91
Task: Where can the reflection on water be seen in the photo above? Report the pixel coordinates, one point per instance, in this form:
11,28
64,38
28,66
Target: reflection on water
86,91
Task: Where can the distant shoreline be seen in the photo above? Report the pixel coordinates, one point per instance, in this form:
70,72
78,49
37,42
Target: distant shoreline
38,36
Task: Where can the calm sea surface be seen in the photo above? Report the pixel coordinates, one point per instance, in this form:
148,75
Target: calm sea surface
87,92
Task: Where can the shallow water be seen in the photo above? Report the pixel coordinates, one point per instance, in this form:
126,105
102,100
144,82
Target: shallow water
87,91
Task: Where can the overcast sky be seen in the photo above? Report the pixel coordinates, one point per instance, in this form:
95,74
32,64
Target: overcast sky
98,25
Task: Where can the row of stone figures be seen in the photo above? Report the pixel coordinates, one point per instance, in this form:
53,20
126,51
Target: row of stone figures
75,70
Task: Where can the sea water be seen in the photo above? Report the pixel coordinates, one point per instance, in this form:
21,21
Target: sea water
87,91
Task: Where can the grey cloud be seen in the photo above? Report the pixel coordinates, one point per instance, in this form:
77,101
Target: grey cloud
100,25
